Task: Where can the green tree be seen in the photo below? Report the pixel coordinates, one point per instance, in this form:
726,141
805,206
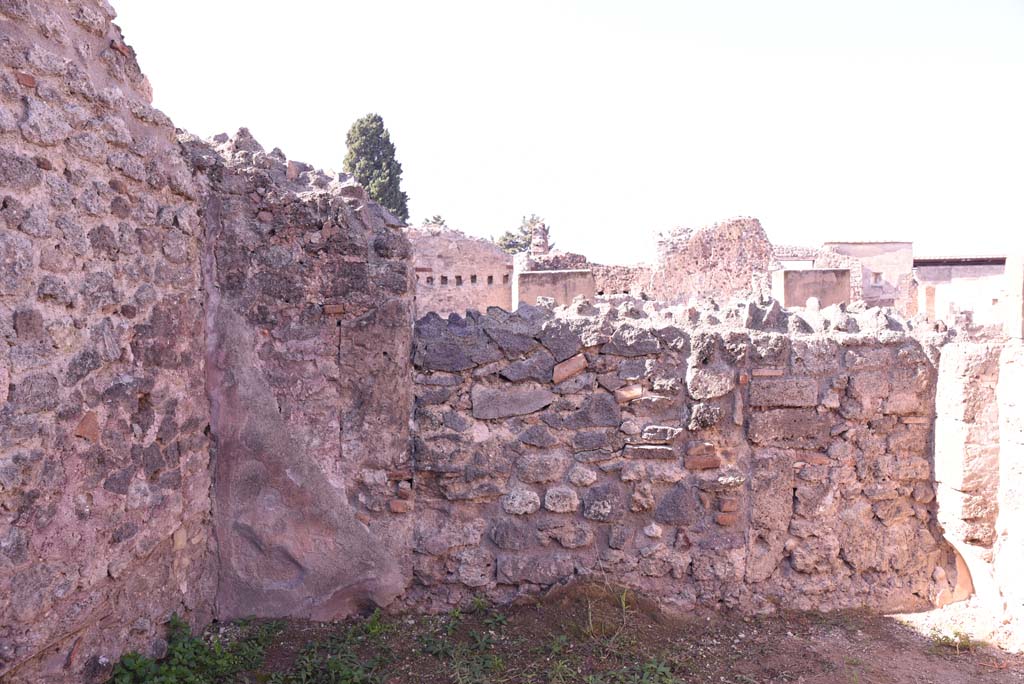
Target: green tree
518,240
435,220
371,161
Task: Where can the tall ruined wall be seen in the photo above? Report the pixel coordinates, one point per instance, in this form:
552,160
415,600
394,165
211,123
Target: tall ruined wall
308,325
455,272
743,457
1009,543
721,261
104,483
967,445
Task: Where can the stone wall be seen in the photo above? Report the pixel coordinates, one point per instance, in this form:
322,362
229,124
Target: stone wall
308,323
608,279
612,279
104,481
560,286
721,261
707,457
824,258
967,463
456,273
795,287
164,301
1009,544
555,261
967,445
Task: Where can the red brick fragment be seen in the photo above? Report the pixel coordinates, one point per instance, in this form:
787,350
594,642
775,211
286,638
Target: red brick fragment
400,505
727,519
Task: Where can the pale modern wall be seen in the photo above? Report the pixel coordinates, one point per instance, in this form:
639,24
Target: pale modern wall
795,287
892,260
943,291
562,286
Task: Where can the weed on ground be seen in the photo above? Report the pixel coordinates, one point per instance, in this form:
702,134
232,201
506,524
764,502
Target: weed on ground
583,635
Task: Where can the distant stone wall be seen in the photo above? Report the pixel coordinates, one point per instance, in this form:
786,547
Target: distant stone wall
703,456
828,286
560,286
456,273
308,325
825,258
104,480
721,261
608,279
556,261
612,279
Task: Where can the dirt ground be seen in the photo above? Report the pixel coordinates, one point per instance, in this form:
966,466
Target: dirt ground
599,635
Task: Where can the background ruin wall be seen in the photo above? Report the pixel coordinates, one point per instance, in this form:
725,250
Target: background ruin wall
704,457
455,272
104,465
724,260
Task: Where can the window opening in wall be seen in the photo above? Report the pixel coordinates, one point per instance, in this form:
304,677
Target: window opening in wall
490,280
444,280
876,278
472,279
458,280
504,279
430,280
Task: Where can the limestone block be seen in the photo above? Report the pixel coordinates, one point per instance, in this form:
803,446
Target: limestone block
648,451
521,502
561,499
709,382
545,568
793,428
582,476
783,392
535,468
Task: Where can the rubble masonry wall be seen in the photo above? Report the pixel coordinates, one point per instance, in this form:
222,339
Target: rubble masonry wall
309,325
725,260
705,457
104,461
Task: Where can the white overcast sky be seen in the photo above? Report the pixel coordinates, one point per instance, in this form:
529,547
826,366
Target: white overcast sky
612,119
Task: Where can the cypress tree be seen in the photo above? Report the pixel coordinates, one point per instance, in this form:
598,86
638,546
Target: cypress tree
371,161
